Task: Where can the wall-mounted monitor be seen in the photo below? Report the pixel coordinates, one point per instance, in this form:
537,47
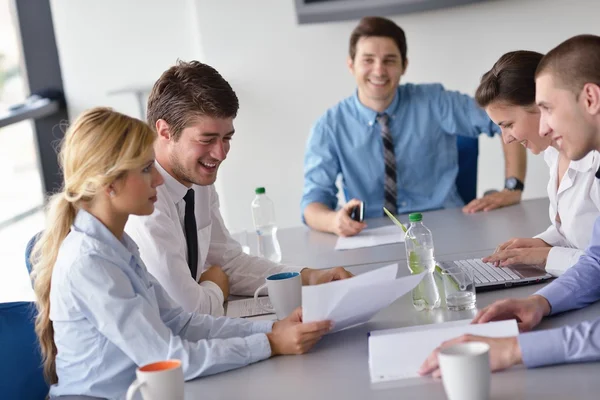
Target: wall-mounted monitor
313,11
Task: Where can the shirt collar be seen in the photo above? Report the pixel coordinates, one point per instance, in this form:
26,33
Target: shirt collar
91,226
369,115
585,164
176,189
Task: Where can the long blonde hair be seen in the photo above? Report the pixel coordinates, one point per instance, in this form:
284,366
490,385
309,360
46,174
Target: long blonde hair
98,148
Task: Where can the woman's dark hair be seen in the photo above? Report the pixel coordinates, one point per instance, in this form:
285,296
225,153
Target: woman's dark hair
511,80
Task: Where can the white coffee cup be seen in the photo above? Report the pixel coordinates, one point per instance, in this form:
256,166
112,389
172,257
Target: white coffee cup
158,381
465,369
285,293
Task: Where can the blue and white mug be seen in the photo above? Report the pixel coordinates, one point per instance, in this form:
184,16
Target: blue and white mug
285,293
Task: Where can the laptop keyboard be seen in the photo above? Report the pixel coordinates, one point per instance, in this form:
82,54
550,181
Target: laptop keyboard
487,273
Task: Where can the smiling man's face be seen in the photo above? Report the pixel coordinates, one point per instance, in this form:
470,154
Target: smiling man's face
377,68
195,156
564,119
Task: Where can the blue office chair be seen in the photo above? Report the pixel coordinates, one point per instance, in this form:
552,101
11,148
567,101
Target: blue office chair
28,250
21,363
466,180
20,359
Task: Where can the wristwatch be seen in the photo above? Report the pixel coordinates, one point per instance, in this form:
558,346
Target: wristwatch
513,183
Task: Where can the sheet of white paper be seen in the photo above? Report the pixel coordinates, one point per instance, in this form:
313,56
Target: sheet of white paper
344,303
352,309
246,307
398,353
371,237
319,300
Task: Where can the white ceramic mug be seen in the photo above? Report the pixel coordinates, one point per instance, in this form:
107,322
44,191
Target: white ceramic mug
466,371
158,381
285,293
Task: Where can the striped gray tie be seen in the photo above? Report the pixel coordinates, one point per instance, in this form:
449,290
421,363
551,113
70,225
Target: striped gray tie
390,185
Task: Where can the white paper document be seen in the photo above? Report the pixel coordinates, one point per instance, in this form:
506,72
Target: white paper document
247,307
355,301
398,353
371,237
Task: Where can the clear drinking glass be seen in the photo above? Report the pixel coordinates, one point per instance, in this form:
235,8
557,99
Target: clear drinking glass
459,286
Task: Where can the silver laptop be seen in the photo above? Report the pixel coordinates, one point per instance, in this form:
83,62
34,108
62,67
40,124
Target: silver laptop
488,277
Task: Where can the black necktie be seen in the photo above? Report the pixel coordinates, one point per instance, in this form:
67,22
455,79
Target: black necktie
390,184
191,233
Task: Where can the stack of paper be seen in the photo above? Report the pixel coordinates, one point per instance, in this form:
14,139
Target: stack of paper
398,353
371,237
345,302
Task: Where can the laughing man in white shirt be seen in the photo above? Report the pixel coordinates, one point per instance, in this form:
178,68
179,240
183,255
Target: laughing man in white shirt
192,109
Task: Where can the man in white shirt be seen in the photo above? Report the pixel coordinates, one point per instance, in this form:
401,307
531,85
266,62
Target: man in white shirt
185,243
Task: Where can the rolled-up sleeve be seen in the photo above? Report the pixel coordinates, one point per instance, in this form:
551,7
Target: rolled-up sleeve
459,114
321,168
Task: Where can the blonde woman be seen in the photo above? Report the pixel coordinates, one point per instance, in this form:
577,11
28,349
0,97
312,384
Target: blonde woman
100,313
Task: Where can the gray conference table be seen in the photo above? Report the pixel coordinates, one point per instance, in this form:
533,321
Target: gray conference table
453,233
337,368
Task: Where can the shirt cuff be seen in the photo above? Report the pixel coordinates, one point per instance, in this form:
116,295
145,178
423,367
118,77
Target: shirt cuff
542,348
558,296
216,290
262,326
550,236
314,197
258,346
561,259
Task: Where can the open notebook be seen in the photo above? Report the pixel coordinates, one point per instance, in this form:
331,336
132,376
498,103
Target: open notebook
244,308
398,353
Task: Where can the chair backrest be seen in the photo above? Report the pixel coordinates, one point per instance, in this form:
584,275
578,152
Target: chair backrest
466,180
20,358
21,369
28,250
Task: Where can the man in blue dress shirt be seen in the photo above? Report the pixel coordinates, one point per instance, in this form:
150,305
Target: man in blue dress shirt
568,95
394,146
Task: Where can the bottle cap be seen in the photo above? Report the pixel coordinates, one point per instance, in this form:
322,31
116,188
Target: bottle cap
260,190
415,217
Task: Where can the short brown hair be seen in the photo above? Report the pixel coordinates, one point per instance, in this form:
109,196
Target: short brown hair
378,26
574,62
511,80
188,90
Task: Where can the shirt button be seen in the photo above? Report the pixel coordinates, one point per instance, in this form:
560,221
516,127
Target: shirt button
403,204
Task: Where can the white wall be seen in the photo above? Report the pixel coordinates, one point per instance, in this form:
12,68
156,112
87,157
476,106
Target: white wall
286,75
109,45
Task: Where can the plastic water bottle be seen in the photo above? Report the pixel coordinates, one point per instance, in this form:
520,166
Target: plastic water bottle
263,215
419,252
